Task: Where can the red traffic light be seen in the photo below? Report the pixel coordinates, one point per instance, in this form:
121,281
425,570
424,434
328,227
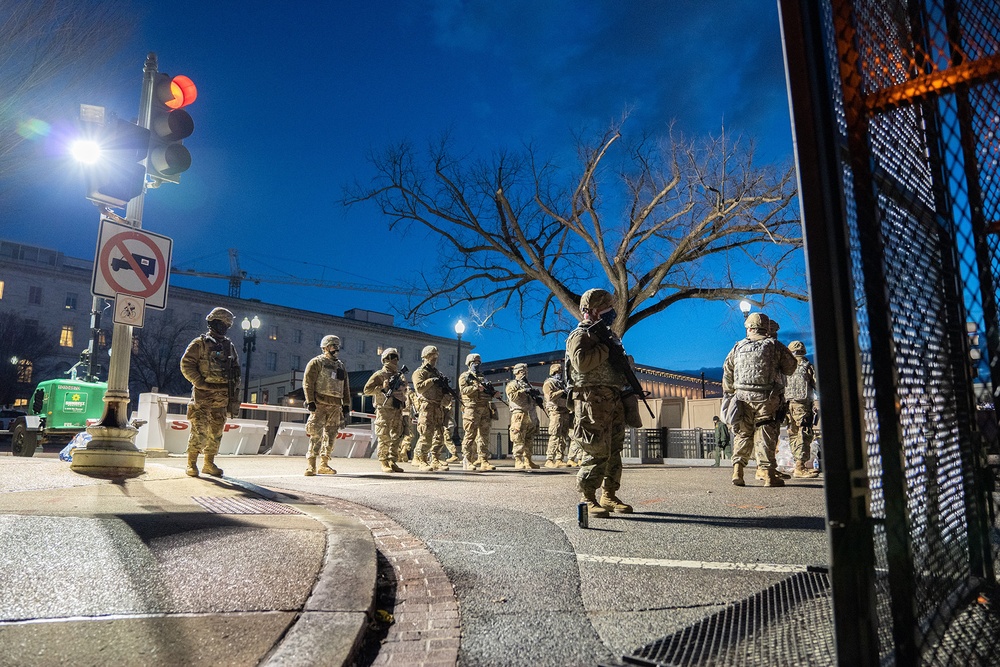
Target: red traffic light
176,92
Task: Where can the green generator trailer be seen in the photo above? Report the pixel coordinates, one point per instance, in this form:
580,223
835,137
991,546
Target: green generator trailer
59,409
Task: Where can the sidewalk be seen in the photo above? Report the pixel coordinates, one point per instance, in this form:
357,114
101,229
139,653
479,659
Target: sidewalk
172,570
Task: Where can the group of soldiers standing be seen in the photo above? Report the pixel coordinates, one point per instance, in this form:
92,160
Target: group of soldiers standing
766,384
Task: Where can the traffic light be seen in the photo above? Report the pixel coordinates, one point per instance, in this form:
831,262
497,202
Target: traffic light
118,175
169,125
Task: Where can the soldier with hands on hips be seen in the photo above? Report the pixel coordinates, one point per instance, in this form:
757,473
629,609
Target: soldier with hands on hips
523,400
211,365
328,399
556,407
800,392
596,383
387,386
477,414
753,373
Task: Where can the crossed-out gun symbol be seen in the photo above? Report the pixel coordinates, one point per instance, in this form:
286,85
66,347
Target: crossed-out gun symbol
146,264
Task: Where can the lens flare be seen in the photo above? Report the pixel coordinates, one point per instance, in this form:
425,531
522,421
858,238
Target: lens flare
85,151
33,128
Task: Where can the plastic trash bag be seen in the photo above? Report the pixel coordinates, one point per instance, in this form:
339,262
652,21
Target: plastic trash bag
79,440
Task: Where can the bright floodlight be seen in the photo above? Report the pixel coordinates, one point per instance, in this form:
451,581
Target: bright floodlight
85,150
255,323
460,327
745,306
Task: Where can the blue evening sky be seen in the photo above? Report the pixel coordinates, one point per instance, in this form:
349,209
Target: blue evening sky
293,96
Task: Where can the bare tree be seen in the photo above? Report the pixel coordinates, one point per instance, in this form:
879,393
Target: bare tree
49,50
656,220
156,355
24,350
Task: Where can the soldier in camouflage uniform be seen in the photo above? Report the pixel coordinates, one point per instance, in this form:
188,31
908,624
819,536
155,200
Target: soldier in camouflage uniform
328,398
779,388
430,386
211,365
598,413
751,372
390,408
800,391
554,392
408,446
477,414
523,417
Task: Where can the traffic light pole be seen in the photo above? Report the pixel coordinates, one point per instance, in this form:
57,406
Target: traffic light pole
111,451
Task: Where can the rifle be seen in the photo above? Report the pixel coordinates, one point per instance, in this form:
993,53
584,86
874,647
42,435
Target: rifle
393,385
536,396
619,360
445,385
232,380
490,390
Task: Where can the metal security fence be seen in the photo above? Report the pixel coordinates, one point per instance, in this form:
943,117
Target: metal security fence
896,107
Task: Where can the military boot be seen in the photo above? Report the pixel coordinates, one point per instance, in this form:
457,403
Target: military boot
420,461
402,458
192,469
483,464
573,463
386,465
518,462
738,475
529,464
437,464
549,463
324,466
310,466
561,464
773,479
612,503
395,468
594,508
209,467
453,459
802,471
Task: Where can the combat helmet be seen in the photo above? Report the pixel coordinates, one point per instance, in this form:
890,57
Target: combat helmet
797,347
596,299
555,368
428,351
222,315
520,367
758,321
387,352
328,341
473,358
772,328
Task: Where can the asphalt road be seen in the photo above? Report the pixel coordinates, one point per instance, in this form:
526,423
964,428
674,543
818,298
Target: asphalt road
535,589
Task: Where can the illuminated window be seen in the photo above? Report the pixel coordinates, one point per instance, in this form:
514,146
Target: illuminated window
24,368
35,295
272,332
66,337
70,300
1,289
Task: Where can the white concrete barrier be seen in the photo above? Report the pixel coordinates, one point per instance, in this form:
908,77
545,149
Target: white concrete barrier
291,440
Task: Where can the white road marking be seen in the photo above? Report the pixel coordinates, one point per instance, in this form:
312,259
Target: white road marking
691,564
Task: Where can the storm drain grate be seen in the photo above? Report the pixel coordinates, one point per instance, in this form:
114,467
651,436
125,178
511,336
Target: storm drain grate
790,623
243,506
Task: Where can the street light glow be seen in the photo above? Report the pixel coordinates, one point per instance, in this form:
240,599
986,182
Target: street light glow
460,327
85,150
745,306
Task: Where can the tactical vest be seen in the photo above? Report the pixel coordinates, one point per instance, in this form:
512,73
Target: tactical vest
216,363
604,375
797,387
470,386
327,382
755,366
554,404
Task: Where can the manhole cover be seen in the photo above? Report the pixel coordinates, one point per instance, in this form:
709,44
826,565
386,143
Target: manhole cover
243,506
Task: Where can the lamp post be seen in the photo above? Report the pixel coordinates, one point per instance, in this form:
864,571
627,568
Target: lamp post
249,345
745,307
459,330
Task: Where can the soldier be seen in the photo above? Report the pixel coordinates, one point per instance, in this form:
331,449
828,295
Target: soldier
328,398
554,391
779,388
751,372
596,380
446,442
431,386
477,414
723,445
523,399
406,451
387,386
211,365
800,391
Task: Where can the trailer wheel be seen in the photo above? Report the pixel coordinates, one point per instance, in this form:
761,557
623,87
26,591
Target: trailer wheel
23,441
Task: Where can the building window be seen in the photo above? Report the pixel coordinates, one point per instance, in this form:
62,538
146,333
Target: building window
24,368
66,337
296,366
1,289
297,336
281,391
70,300
35,295
272,332
361,346
272,361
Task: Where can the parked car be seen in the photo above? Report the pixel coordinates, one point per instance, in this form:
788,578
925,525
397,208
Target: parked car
8,416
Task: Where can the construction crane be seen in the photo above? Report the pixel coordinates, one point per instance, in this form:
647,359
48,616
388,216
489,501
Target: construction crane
237,276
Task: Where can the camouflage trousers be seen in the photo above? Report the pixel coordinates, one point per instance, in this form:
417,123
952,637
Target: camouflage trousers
322,429
389,432
599,428
755,431
523,427
207,427
799,438
559,423
430,426
476,422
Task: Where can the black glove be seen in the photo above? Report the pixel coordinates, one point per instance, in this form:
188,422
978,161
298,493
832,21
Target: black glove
310,406
347,412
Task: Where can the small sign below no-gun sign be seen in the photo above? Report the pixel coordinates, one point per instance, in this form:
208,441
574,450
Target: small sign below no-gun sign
131,262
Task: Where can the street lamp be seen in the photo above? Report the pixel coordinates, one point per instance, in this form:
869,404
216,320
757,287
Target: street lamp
459,330
249,345
745,307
